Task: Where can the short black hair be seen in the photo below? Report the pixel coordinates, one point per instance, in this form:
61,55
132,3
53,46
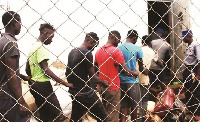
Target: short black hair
132,33
9,17
92,35
46,25
146,39
115,34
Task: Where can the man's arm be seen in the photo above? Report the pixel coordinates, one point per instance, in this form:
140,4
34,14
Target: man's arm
28,70
197,54
198,73
96,67
14,85
127,71
25,78
141,67
49,73
95,78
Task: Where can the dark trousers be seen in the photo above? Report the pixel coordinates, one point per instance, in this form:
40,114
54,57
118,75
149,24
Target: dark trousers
192,91
88,102
46,101
145,98
9,111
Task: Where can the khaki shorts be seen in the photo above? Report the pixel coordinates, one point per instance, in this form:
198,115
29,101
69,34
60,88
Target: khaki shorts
111,102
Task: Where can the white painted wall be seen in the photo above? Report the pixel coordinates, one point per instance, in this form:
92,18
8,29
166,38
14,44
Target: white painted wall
74,18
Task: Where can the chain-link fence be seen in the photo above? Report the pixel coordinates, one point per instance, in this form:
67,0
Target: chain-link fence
170,91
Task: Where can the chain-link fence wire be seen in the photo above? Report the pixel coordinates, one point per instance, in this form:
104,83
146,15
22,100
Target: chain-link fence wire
171,20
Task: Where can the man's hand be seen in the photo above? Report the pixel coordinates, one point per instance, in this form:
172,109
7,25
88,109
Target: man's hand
25,78
68,84
198,73
145,72
197,77
135,73
160,63
105,84
23,108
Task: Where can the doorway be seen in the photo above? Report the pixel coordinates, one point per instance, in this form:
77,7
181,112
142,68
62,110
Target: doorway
159,16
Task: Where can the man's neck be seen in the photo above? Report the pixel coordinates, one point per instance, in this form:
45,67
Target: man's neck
83,45
108,44
189,43
10,31
128,40
40,39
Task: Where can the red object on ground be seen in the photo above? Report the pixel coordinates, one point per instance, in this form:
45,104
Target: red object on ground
197,117
165,102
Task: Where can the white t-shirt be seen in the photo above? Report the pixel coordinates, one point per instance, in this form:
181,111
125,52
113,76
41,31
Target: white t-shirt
149,56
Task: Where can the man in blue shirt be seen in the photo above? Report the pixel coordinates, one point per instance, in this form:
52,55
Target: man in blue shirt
130,89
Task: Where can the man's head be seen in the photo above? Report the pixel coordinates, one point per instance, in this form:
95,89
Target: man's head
46,33
92,40
159,31
165,35
146,40
133,36
12,20
187,36
114,37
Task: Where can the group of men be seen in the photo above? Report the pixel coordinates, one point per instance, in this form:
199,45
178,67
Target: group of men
114,71
108,61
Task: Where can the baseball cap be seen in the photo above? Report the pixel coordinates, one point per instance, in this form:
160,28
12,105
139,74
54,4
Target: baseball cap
185,33
160,30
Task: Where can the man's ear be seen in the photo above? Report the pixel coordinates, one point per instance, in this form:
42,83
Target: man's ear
88,40
44,32
14,22
135,39
112,37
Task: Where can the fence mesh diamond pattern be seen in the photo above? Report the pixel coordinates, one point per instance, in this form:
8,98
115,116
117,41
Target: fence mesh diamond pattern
164,50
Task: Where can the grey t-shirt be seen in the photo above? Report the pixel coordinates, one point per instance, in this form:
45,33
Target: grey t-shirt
162,47
8,48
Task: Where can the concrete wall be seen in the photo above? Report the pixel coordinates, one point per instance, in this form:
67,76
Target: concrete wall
185,16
